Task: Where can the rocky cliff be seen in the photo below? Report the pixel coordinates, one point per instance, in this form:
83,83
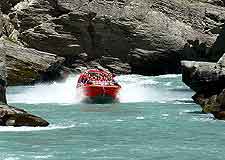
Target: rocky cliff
148,36
26,65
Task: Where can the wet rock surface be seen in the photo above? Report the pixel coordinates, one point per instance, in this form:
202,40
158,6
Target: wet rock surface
11,116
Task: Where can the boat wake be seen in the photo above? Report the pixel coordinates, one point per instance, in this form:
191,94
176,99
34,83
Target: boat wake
161,89
135,88
57,92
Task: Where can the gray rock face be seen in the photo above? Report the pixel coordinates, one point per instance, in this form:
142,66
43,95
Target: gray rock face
207,80
11,116
24,65
115,28
114,65
102,26
1,26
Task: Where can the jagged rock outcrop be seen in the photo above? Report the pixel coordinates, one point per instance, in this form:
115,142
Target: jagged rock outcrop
113,28
26,66
11,116
207,80
201,76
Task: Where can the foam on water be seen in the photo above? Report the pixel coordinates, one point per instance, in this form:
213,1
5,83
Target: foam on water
170,76
62,93
135,88
43,157
11,158
29,129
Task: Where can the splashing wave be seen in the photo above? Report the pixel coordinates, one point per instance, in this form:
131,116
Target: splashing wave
135,88
28,129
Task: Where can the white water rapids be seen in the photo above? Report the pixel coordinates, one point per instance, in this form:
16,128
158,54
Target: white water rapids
135,88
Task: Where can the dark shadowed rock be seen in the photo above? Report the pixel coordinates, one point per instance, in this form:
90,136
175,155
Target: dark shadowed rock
6,5
218,48
11,116
214,104
2,76
3,91
154,62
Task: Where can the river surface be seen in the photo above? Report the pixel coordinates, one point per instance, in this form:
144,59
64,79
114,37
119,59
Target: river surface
155,119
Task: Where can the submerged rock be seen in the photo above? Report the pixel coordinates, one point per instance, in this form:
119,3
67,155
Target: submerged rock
207,80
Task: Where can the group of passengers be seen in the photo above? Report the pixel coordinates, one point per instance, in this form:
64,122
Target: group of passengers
90,77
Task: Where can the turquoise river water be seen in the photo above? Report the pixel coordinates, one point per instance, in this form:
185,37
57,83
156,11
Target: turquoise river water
155,120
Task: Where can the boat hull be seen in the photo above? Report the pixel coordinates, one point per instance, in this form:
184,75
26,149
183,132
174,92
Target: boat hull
97,84
101,91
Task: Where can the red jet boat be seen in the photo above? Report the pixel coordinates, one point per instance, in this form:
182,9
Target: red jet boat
98,85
